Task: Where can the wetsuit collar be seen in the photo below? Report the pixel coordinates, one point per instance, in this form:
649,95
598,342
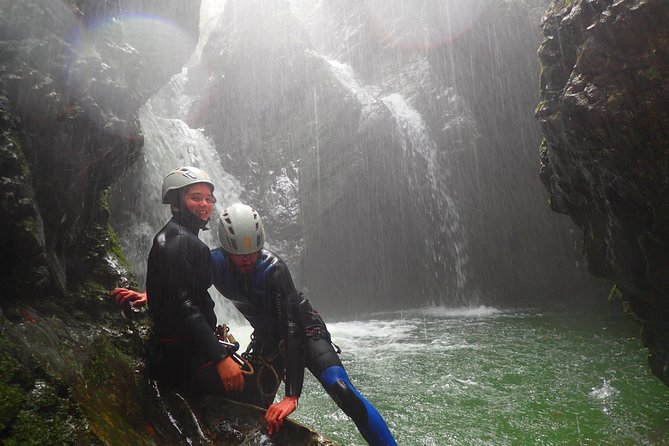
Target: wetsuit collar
191,221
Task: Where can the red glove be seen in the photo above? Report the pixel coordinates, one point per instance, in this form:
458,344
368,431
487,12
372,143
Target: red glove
278,412
230,374
124,296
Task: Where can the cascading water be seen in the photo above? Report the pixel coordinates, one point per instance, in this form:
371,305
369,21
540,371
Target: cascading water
448,248
416,141
168,143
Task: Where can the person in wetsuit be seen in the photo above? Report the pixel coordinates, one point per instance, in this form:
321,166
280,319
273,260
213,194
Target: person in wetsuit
183,349
288,333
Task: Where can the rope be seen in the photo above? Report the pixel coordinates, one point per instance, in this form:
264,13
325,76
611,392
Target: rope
262,365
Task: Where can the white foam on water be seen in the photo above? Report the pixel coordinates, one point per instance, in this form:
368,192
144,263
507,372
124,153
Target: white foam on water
604,391
477,311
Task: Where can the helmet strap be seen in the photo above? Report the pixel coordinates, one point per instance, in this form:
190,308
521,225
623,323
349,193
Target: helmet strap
183,215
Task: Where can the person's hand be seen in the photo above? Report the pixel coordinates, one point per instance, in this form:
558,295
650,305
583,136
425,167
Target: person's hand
230,374
278,412
124,296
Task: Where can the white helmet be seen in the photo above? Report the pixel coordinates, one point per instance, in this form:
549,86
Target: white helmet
240,230
182,177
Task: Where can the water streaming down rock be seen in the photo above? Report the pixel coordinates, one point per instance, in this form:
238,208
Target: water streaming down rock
168,143
426,176
416,139
371,144
379,168
427,179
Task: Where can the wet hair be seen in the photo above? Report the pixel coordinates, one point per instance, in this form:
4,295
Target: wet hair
173,197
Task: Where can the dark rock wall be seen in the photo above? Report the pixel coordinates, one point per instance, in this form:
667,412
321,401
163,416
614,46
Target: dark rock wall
605,158
68,124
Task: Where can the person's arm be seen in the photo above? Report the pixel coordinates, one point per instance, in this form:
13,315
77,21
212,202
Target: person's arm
292,332
194,309
228,370
283,289
230,374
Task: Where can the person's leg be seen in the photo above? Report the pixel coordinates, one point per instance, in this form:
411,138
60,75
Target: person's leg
325,365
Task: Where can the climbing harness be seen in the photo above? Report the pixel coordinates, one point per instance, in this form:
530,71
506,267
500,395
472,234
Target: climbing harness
228,341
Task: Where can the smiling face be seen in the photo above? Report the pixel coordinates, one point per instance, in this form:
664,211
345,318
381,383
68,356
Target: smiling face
199,200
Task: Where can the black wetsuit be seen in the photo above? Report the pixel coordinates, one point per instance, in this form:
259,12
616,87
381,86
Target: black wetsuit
182,344
292,335
269,301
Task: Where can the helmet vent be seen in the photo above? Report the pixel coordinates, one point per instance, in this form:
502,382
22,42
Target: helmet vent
233,243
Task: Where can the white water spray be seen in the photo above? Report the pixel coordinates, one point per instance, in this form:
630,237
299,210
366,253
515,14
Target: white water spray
168,144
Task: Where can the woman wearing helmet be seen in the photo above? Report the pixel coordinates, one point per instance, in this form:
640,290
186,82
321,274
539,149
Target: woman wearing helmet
184,350
288,333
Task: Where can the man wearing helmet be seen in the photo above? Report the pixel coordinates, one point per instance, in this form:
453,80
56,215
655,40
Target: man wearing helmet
183,349
288,333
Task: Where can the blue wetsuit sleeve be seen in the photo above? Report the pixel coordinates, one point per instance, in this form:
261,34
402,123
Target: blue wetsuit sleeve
218,268
368,420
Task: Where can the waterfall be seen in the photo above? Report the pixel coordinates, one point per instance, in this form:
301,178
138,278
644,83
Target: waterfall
170,143
421,153
416,141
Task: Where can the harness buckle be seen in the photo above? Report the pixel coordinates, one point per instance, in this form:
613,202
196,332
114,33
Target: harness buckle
313,333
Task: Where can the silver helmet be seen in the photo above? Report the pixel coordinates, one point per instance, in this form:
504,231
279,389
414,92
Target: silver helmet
240,230
182,177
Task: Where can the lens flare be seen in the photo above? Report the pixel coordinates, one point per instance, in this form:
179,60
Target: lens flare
422,24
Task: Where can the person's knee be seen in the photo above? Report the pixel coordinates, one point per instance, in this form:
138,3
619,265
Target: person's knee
347,399
319,355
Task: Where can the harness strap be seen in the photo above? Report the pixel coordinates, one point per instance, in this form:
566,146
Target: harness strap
315,334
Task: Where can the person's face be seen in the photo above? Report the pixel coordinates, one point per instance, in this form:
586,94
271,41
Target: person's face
244,262
200,200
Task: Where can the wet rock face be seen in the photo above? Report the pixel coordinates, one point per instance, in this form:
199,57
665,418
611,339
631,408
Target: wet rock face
73,78
79,384
605,159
